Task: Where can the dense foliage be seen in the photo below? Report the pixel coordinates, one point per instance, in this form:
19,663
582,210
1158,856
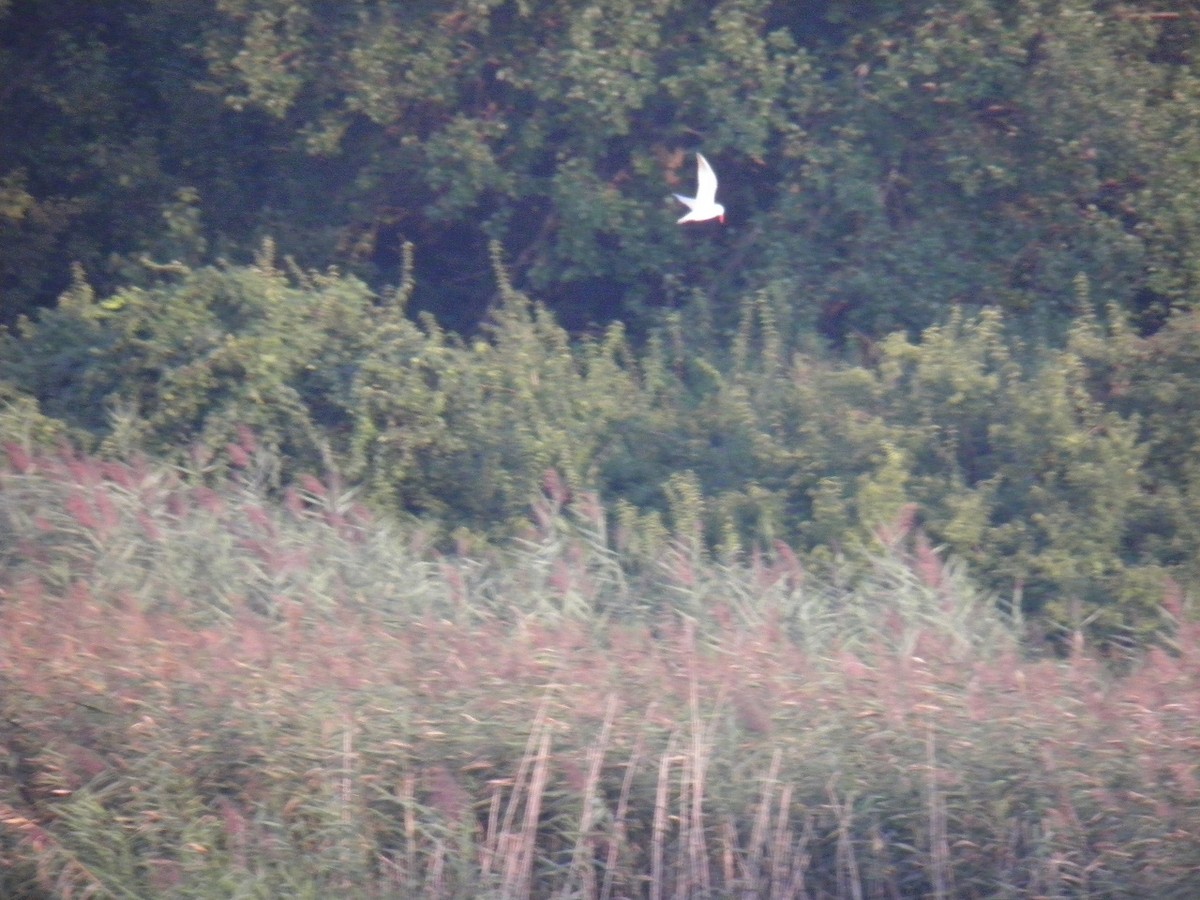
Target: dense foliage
882,162
1063,476
375,445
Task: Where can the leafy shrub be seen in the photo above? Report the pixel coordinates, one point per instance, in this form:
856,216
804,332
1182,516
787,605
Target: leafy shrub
188,362
1051,471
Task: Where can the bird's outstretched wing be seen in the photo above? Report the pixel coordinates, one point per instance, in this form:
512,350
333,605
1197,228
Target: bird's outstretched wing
706,182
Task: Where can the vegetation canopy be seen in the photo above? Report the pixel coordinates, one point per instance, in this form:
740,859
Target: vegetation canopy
396,501
883,163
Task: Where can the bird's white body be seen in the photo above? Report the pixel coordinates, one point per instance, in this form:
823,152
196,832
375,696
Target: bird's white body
704,205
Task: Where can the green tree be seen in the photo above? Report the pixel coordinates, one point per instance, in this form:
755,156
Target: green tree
104,127
882,167
881,164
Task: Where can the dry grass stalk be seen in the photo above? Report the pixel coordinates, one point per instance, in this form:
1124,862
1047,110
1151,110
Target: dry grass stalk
800,862
939,845
849,878
692,788
620,823
659,834
346,793
517,851
518,784
729,851
781,844
435,880
685,870
754,860
518,881
408,802
584,852
490,845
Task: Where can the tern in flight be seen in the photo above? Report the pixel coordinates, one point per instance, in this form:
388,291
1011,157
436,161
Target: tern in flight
704,205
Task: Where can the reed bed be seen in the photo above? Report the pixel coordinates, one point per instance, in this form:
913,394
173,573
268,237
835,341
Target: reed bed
210,692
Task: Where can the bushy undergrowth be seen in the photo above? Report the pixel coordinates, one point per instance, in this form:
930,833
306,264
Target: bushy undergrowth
1060,475
210,695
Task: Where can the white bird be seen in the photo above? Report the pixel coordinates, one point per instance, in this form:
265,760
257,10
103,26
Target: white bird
704,205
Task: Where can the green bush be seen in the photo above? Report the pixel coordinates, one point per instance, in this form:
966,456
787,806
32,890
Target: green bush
190,361
1061,476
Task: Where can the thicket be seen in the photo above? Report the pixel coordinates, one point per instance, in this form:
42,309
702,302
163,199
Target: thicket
211,693
1064,477
919,182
